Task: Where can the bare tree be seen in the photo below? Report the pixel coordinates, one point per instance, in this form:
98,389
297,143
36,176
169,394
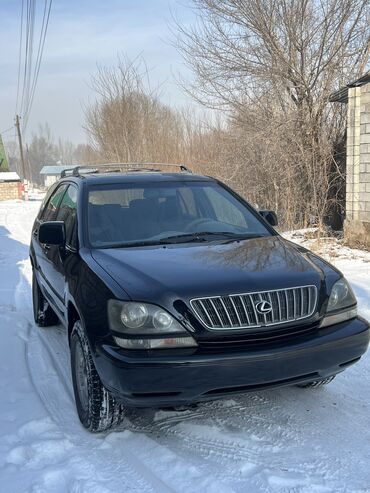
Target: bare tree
298,49
41,152
66,151
85,154
12,151
272,66
127,122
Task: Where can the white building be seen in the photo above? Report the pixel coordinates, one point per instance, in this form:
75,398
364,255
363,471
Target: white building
52,173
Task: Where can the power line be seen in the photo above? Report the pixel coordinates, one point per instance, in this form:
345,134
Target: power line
30,24
7,130
25,57
19,58
28,69
39,54
44,28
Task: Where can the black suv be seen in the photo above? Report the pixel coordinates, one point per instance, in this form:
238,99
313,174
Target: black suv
174,290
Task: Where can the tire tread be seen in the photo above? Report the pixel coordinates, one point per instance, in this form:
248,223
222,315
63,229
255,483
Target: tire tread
316,383
104,412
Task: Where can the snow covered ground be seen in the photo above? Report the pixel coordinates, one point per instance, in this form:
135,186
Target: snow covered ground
288,440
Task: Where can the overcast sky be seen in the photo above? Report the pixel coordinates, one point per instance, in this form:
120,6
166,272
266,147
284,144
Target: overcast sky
81,34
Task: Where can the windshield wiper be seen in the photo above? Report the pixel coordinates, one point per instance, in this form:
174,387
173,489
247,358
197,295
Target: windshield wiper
185,238
128,244
202,236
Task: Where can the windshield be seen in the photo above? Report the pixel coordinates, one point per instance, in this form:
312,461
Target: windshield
128,214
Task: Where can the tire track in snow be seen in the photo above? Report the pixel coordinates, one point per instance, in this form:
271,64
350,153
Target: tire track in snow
235,460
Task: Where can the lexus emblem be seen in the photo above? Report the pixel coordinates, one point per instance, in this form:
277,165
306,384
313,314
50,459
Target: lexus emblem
263,307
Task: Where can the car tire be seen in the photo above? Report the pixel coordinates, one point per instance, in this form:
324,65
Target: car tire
96,407
316,383
43,314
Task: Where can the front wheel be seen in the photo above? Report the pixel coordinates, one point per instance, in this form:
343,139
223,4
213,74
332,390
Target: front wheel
96,408
316,383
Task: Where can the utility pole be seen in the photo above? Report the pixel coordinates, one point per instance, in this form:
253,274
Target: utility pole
29,169
18,127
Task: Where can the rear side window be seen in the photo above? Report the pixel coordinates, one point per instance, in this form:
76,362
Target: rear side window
68,214
48,213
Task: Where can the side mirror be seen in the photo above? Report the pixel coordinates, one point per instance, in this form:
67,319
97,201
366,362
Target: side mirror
269,216
52,233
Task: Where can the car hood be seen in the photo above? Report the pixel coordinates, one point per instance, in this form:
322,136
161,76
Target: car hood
164,274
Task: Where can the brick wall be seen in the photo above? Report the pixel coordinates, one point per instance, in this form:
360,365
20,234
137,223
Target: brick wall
10,190
357,224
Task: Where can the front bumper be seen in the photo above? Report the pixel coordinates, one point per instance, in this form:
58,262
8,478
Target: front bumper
172,380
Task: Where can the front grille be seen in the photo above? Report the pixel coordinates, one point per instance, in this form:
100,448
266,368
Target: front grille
240,311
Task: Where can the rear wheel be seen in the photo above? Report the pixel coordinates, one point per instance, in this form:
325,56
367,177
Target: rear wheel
316,383
96,407
43,314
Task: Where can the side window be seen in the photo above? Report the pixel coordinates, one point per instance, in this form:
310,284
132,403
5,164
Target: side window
48,194
51,207
68,214
225,211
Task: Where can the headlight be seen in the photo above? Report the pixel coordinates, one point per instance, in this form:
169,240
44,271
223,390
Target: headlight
136,321
341,296
134,315
341,305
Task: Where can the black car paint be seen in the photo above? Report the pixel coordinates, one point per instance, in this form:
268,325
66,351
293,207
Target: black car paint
82,280
165,379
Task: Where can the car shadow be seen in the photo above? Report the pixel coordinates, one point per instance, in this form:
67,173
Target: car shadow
13,257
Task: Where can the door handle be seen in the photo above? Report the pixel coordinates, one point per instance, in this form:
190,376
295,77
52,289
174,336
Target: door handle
46,248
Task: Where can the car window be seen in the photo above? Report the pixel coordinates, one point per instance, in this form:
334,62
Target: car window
187,202
46,198
49,212
126,213
226,209
123,198
67,213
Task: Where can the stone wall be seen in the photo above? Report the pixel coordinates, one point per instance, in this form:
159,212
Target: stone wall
10,190
357,224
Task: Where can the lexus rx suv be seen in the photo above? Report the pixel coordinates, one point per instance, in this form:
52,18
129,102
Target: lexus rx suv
174,290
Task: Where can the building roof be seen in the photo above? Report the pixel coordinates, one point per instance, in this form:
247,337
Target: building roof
341,96
53,170
9,176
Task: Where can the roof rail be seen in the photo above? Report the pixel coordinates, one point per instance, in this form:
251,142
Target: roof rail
119,168
76,171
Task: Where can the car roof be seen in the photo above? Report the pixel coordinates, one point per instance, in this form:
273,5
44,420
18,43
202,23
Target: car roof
135,177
